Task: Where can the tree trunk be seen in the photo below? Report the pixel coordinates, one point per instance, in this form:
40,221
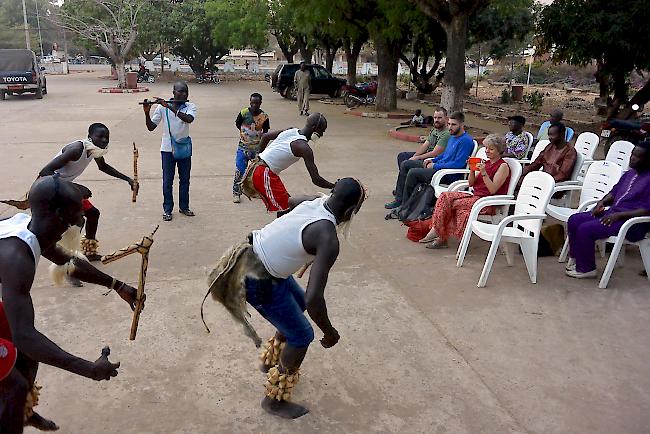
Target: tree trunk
287,50
121,76
351,57
330,55
454,82
603,80
287,55
306,54
387,61
162,59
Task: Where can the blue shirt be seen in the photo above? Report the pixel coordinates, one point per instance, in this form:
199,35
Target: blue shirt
458,150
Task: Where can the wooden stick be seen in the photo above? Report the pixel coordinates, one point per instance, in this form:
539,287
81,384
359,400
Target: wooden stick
143,248
303,269
136,185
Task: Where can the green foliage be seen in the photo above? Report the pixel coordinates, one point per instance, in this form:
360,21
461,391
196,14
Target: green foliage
241,24
12,34
192,30
506,96
610,33
535,100
501,28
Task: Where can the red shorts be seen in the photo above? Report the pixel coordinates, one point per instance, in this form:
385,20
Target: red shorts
86,205
271,189
8,352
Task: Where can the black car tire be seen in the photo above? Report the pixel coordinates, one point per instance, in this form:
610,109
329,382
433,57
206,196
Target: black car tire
290,92
39,93
2,95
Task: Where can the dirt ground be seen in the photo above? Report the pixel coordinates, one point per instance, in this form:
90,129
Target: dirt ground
423,350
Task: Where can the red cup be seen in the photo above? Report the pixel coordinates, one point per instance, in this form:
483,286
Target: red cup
473,161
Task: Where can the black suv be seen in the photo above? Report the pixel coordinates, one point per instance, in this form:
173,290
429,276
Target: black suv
21,73
322,81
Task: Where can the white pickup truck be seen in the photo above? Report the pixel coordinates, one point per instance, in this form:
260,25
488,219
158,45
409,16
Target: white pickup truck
20,73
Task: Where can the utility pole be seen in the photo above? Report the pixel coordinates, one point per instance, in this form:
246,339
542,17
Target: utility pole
65,52
38,24
29,47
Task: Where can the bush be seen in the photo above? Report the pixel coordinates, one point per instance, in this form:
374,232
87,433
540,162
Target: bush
548,73
506,96
535,100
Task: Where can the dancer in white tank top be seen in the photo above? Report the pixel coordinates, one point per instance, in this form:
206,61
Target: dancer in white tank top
260,271
286,147
55,205
71,162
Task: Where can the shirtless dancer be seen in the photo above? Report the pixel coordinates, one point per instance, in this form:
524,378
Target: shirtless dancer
260,270
56,206
287,147
70,162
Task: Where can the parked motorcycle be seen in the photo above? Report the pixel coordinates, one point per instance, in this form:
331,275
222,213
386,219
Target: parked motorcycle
208,77
630,130
360,94
146,77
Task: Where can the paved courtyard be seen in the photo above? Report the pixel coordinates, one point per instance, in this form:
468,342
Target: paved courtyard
422,349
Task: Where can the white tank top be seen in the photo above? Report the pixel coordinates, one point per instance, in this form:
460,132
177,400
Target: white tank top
16,226
279,244
278,155
73,169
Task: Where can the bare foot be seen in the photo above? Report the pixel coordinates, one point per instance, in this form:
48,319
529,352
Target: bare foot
40,423
285,409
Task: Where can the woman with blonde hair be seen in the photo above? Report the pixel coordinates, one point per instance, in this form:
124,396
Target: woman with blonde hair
453,208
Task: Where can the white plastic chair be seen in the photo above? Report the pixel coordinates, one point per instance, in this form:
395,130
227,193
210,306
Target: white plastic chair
599,180
530,206
586,144
501,211
436,180
539,148
620,153
620,242
531,139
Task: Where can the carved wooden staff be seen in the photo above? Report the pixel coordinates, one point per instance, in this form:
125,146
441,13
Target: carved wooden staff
136,184
142,248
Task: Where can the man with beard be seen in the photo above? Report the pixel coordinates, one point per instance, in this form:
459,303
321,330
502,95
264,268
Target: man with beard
56,206
431,148
287,147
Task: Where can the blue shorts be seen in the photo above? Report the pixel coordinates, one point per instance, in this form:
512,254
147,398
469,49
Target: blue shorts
282,303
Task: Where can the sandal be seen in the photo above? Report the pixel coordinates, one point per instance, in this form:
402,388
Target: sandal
167,217
428,238
188,212
437,244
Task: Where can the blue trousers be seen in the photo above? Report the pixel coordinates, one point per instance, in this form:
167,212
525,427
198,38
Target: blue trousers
169,164
242,157
282,303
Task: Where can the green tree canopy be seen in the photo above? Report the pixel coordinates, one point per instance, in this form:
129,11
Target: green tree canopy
611,34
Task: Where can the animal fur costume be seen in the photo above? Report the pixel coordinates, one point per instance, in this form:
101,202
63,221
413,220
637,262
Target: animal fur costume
226,283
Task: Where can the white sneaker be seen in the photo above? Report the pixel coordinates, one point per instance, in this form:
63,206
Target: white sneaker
578,275
571,264
236,198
